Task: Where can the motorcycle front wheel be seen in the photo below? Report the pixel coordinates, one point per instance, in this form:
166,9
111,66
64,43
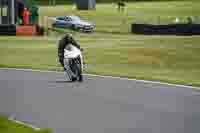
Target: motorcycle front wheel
75,66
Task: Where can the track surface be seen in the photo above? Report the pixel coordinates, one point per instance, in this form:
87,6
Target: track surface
98,105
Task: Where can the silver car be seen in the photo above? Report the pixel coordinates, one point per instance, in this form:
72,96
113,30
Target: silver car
73,22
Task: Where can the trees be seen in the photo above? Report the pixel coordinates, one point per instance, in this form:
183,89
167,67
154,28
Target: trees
52,2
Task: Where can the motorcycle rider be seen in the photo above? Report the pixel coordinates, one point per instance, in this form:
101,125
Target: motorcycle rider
63,43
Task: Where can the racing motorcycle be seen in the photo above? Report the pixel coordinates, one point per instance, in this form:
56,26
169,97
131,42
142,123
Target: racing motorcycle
73,63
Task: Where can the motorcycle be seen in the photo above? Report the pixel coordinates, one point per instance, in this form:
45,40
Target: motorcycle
73,63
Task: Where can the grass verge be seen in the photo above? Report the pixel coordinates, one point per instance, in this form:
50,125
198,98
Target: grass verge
7,126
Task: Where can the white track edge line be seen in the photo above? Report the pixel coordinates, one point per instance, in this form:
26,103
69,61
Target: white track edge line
24,124
145,81
102,76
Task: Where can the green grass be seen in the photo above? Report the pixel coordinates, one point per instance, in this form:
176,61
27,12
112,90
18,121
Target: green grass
7,126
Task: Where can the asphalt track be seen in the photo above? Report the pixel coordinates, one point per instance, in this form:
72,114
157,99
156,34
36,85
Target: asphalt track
98,105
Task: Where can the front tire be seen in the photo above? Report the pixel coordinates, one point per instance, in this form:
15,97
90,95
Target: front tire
80,78
75,66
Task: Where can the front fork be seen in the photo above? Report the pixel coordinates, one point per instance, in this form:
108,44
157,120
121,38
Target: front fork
81,61
68,70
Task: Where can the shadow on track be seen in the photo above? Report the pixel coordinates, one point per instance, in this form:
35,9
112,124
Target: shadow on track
61,81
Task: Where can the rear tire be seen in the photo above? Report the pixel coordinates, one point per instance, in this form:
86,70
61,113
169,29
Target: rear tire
80,78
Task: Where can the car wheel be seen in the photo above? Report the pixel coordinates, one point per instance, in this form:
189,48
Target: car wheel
73,27
54,25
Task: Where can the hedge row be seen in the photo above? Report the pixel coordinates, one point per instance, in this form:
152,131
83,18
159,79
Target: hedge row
108,1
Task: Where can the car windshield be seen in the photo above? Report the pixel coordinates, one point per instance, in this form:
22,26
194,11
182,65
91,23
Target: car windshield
76,18
61,18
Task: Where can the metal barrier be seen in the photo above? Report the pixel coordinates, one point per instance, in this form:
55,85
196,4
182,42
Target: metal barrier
8,30
175,29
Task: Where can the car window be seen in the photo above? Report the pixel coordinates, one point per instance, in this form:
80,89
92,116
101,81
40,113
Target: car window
61,18
77,18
